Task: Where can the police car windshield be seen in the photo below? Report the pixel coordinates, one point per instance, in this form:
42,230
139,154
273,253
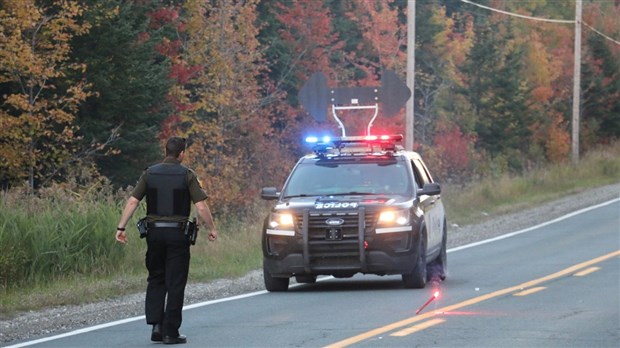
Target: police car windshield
348,178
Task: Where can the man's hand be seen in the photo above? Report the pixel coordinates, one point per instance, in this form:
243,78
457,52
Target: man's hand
130,207
121,237
205,215
213,235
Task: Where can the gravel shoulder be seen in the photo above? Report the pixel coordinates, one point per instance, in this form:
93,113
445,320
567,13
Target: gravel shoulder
30,325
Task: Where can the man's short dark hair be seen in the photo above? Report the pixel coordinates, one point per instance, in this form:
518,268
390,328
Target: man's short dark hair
174,146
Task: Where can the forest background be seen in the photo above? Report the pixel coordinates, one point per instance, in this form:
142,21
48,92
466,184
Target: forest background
89,90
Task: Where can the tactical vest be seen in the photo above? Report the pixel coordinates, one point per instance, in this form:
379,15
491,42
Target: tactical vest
167,191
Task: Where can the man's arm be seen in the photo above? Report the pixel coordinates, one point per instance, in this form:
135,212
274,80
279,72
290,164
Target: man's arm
130,208
207,219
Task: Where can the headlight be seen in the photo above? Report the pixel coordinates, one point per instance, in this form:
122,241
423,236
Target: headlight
281,224
280,220
394,218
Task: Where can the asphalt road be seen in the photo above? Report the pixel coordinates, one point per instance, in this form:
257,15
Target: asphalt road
555,285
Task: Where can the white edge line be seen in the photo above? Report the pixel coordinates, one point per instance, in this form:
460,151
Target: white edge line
256,293
512,234
77,332
129,320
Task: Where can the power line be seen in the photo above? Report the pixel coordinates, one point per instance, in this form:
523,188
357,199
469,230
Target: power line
601,34
569,21
578,21
520,15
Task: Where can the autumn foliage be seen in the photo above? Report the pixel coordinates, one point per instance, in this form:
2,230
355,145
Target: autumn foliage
37,116
101,84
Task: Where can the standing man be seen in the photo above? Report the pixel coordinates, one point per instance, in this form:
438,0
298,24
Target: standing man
169,188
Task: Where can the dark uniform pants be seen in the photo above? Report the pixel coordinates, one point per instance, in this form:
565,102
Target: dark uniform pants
167,260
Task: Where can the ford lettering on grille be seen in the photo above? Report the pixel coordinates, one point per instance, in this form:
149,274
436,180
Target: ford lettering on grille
334,221
336,205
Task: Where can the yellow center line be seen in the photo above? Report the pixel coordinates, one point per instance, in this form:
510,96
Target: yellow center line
419,327
530,291
586,271
472,301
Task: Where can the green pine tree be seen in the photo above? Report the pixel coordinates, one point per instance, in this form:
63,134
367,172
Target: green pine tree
601,90
498,94
131,82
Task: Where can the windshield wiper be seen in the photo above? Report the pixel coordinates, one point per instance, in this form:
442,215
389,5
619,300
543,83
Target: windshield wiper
295,196
352,193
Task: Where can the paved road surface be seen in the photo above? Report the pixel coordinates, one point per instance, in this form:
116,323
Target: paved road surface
556,285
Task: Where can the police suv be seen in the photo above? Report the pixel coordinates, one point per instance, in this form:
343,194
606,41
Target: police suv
358,204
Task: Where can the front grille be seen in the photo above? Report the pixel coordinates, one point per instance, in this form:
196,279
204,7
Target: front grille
335,246
317,223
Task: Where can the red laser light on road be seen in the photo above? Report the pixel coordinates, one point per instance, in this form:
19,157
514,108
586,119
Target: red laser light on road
435,295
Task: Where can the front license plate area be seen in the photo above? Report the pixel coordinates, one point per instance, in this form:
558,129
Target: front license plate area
333,234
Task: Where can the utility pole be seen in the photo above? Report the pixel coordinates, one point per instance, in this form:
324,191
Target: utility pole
410,109
576,82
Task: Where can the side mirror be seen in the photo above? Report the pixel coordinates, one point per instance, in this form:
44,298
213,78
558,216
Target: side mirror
430,189
269,193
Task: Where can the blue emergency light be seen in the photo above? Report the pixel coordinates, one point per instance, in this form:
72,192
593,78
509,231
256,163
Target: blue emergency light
313,140
354,144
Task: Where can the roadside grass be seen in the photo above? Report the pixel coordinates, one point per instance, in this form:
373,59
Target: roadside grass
508,193
236,252
58,248
233,255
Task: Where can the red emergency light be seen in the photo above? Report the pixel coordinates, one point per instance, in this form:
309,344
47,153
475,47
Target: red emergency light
354,144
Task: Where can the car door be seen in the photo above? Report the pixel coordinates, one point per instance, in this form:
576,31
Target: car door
432,207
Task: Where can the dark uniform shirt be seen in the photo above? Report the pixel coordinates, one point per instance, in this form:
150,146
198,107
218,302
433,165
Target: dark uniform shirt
196,193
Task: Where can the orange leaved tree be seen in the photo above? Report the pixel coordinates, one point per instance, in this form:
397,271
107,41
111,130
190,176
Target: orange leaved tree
37,100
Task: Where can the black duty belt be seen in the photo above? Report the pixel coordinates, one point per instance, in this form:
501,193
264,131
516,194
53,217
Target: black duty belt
162,224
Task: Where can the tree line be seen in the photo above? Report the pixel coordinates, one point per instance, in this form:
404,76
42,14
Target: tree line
92,88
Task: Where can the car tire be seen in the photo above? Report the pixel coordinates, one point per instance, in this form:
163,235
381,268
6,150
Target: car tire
439,266
417,278
274,284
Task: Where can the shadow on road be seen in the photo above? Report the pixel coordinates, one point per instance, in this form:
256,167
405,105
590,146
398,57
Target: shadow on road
352,284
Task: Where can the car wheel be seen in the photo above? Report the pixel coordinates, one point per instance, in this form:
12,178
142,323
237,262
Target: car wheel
306,278
417,278
274,283
438,268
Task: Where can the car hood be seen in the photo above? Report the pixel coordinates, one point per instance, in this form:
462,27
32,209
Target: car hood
343,202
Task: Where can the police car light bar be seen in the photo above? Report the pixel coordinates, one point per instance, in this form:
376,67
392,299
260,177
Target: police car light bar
355,139
325,143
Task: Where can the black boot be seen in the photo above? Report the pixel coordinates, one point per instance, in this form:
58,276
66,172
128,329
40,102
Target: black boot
156,333
175,340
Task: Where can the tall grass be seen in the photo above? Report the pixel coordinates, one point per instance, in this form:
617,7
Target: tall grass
58,246
493,195
236,251
44,239
54,239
